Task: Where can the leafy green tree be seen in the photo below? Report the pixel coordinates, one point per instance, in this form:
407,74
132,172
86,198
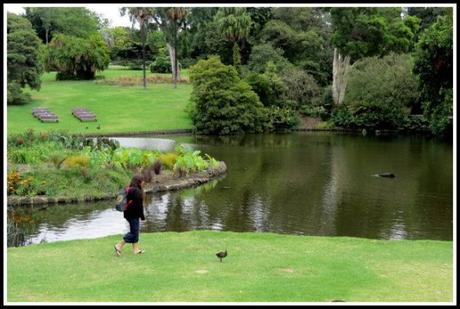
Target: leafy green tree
234,24
24,62
304,36
381,91
48,21
77,58
366,32
120,42
303,91
262,54
427,16
172,21
434,67
222,103
268,86
199,25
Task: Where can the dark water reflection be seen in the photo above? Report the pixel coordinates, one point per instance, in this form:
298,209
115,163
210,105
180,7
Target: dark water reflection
300,183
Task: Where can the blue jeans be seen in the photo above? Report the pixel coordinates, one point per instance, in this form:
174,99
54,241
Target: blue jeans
133,235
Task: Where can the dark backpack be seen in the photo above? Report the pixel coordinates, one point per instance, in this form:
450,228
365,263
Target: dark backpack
122,202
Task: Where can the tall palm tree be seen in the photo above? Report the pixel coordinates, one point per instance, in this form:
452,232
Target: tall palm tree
234,24
142,16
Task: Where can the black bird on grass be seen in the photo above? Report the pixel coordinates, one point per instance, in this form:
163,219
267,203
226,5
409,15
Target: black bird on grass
221,254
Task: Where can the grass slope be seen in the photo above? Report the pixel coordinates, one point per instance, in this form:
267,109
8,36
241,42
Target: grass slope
260,267
118,109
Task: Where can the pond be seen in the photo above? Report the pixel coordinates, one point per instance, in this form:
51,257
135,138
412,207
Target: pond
304,183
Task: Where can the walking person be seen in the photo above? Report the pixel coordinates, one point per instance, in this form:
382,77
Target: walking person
133,213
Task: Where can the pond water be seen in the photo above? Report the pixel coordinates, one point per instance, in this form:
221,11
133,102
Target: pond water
305,183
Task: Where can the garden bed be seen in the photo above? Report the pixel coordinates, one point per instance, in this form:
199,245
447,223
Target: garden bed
50,168
164,182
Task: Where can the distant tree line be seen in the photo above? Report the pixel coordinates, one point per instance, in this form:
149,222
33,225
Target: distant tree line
366,67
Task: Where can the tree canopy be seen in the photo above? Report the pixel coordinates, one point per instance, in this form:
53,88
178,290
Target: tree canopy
24,60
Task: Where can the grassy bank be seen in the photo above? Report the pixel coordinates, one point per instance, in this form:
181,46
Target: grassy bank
260,267
118,108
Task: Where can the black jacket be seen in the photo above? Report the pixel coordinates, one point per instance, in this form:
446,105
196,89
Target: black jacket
136,204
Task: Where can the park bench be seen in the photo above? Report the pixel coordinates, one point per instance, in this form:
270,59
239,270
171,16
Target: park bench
83,114
44,115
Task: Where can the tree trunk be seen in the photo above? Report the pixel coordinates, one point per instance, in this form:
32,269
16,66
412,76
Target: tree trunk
173,59
340,68
175,67
46,35
236,54
143,59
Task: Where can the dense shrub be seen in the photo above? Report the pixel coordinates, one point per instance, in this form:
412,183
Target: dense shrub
262,54
269,87
222,102
302,88
380,93
188,62
415,123
342,117
282,119
162,64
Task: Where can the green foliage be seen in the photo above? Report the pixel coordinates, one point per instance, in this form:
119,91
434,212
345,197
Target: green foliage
234,23
427,16
24,63
74,21
380,92
434,67
168,159
327,103
76,161
366,32
387,82
162,64
304,35
264,53
342,117
77,58
282,119
302,89
223,104
189,162
103,167
269,87
415,123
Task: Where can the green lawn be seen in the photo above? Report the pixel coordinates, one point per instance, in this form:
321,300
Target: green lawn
118,109
260,267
